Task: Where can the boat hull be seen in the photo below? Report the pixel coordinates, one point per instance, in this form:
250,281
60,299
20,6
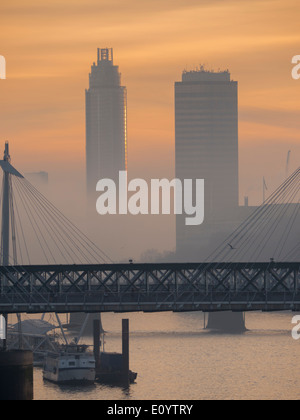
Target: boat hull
71,364
70,376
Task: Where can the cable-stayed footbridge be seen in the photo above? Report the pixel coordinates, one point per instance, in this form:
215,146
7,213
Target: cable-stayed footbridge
77,276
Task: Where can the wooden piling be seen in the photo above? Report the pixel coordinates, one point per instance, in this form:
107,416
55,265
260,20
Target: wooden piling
125,350
16,375
96,335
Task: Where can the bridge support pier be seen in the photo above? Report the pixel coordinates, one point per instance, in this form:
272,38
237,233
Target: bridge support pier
16,375
227,322
77,320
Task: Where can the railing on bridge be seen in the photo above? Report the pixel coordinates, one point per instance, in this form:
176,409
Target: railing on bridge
227,285
150,287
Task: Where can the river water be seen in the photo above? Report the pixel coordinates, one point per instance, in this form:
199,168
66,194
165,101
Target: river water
177,360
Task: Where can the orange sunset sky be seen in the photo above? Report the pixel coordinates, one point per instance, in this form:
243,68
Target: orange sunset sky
50,46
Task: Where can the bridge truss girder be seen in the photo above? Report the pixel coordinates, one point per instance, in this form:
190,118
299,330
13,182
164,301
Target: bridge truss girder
150,287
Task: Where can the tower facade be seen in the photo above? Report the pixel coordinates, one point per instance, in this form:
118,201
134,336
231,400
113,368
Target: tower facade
106,121
206,137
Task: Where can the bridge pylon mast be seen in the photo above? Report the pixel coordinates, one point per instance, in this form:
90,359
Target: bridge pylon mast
5,211
8,171
5,223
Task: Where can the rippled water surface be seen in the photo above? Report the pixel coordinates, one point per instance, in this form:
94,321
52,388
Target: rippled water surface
177,360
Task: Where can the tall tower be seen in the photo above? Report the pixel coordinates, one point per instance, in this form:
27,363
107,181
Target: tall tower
106,121
206,137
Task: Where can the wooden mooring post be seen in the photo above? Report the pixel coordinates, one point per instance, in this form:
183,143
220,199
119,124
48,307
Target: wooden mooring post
125,350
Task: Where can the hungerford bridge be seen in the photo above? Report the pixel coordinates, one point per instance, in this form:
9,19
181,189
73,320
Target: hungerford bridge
230,283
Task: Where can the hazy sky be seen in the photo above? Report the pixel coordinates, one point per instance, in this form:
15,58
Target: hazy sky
50,45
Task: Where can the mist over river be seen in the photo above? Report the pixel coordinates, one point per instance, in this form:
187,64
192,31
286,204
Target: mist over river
177,360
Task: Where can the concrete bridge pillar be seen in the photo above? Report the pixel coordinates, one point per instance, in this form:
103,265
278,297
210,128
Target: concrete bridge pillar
77,320
227,322
16,375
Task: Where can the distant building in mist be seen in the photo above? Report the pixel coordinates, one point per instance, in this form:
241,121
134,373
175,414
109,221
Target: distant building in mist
206,142
206,136
106,121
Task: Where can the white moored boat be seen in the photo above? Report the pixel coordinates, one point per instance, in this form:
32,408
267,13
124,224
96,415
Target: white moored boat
71,364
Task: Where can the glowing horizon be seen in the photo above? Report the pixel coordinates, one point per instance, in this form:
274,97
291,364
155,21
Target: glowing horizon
49,50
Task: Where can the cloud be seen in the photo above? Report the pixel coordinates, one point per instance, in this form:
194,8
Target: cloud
109,8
